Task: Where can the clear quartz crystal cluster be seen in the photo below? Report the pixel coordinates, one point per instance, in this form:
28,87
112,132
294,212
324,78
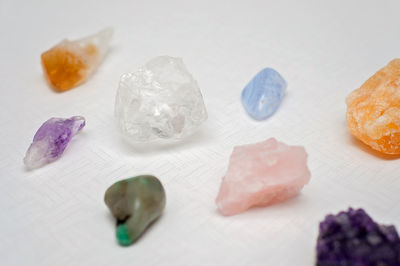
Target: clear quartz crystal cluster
161,100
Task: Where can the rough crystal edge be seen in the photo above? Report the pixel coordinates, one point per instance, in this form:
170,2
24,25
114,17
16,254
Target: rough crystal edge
154,140
29,160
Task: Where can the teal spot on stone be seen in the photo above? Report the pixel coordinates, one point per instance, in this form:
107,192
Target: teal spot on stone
123,236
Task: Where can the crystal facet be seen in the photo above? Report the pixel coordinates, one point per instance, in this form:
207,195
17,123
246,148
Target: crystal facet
263,94
353,238
51,139
262,174
135,203
161,100
373,110
70,63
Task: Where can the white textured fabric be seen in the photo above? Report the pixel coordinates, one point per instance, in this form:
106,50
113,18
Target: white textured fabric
324,49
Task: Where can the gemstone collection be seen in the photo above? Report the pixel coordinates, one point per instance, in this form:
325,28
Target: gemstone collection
162,101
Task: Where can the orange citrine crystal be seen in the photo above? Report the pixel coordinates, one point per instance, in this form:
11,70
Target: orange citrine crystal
64,68
70,63
373,110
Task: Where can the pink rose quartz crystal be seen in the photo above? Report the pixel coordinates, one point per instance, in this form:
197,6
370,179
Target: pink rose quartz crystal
262,174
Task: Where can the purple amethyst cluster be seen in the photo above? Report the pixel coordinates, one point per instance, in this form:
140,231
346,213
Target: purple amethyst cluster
352,238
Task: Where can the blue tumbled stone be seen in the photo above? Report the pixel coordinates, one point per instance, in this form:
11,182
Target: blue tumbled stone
263,94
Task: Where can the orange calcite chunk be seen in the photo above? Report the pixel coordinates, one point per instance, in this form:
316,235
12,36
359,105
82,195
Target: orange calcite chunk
373,110
70,63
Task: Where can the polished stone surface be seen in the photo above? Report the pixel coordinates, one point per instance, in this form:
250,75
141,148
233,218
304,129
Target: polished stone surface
263,94
135,202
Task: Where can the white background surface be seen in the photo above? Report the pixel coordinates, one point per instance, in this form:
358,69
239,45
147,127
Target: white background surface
325,49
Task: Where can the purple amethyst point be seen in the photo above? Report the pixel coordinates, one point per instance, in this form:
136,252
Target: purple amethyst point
51,139
353,238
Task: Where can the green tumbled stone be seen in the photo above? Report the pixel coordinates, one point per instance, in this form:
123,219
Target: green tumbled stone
135,202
